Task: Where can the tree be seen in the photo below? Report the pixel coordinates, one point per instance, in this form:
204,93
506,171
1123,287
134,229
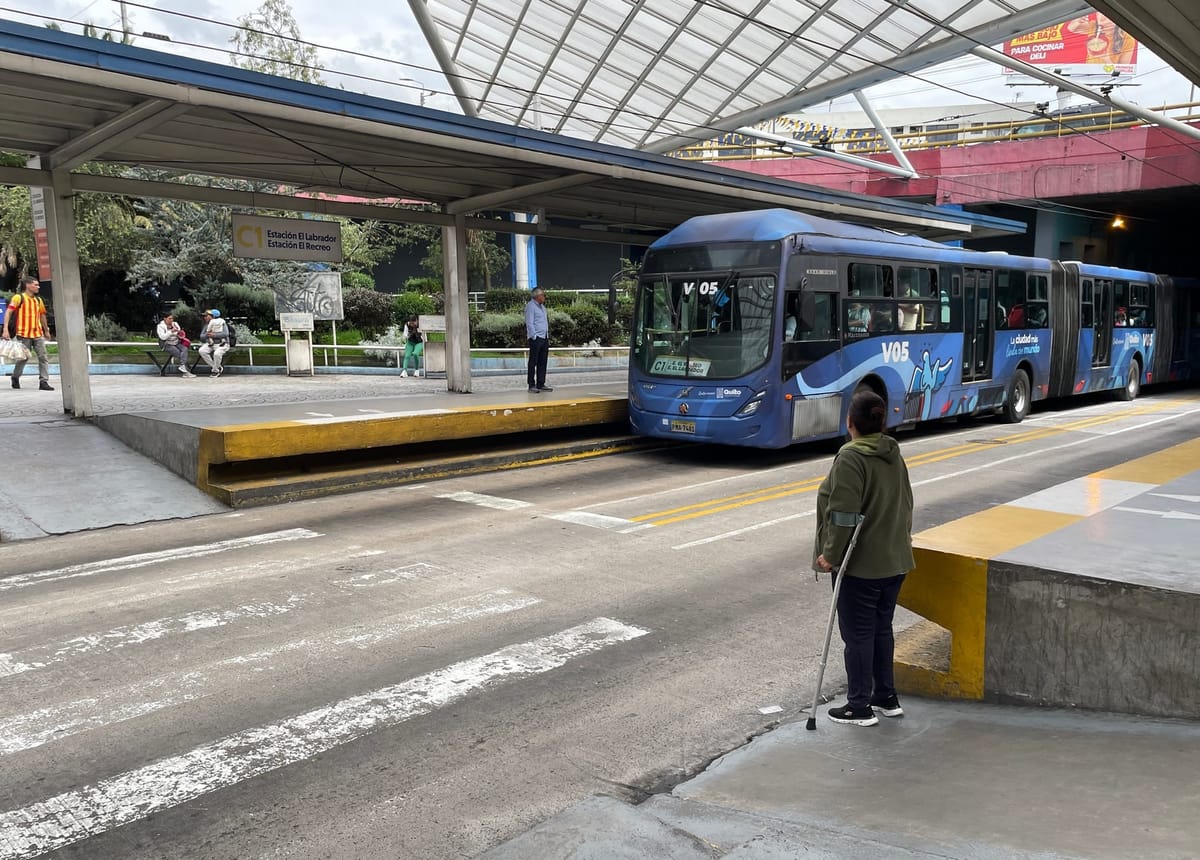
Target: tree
269,41
484,257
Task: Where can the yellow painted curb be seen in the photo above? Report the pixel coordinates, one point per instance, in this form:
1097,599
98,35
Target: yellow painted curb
244,443
951,591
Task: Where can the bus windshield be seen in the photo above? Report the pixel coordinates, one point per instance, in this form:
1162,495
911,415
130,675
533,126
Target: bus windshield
711,325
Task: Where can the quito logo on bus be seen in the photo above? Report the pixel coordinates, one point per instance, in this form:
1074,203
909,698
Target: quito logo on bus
895,352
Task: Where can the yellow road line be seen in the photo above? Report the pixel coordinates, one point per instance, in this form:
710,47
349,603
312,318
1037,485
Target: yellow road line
779,491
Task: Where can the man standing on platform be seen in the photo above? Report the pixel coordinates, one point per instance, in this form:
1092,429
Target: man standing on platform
25,320
537,329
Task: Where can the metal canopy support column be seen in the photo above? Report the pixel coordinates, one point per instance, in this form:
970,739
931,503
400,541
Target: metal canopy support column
1099,96
458,320
885,133
68,297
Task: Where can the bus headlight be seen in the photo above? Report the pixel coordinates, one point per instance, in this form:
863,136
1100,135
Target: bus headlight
752,406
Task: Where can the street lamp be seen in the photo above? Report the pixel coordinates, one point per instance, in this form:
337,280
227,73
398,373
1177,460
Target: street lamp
424,93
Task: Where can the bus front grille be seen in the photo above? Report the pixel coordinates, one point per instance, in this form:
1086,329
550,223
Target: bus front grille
819,416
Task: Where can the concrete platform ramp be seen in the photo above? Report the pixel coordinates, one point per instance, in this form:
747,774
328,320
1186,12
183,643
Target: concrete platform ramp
1085,595
247,455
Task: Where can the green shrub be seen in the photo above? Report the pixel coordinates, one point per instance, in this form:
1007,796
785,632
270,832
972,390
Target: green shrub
357,281
561,299
244,335
425,286
499,331
255,306
105,328
189,319
387,357
502,301
369,311
587,323
411,304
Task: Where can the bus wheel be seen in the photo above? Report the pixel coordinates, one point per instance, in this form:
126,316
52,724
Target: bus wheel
1016,405
1133,384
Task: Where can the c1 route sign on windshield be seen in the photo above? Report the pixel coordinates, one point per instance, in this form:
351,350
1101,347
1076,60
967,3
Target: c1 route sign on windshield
266,238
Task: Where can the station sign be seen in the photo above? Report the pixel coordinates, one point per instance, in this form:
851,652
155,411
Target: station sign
305,239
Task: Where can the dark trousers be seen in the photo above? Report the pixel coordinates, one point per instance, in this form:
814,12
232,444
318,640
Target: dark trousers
539,357
865,609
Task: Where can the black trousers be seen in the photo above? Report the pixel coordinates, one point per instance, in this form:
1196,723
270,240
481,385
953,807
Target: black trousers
539,357
865,609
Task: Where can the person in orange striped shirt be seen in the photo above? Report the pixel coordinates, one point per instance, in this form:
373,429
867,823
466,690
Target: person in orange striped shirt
25,319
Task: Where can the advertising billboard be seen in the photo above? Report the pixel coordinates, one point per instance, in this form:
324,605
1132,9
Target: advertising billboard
1088,45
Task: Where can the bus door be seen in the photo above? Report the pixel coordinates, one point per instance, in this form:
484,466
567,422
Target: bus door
810,329
1102,322
1070,313
977,324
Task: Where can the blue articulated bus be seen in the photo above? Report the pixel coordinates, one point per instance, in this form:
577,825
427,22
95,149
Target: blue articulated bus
755,328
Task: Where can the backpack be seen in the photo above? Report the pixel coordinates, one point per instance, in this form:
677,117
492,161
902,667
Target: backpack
232,332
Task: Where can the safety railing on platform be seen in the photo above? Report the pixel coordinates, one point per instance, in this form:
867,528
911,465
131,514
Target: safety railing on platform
387,358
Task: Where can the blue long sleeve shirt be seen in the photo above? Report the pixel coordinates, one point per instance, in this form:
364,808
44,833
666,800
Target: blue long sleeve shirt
537,324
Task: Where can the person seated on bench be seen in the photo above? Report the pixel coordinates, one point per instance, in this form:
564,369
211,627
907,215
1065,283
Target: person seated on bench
174,342
215,337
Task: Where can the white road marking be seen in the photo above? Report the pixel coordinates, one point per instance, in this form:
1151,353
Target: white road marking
72,816
1166,515
26,731
135,634
736,532
485,501
407,572
596,521
1088,439
144,559
1178,498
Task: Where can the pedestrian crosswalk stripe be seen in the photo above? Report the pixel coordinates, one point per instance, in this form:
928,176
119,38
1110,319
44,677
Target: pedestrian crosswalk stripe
144,559
33,729
73,816
486,501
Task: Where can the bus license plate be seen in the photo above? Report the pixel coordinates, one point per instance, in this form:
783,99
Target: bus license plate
683,426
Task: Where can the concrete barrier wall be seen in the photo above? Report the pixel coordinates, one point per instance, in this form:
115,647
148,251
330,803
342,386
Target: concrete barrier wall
1063,639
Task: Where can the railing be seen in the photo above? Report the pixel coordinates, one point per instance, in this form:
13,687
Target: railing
867,142
331,355
475,299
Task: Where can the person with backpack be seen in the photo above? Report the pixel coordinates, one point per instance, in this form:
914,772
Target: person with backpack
25,321
217,338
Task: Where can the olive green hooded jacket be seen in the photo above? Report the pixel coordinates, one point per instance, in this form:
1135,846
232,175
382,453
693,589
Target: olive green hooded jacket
868,477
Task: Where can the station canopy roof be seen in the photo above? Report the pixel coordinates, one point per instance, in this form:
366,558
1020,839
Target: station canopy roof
656,75
71,100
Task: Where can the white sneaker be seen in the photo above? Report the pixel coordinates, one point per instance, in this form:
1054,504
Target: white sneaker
417,373
404,374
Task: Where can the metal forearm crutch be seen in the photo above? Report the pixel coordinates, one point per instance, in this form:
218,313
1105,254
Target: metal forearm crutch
837,586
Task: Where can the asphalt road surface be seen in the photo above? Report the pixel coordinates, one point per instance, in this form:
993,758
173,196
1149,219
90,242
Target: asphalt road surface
426,671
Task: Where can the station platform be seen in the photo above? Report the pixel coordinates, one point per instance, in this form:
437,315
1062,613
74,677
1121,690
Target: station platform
269,453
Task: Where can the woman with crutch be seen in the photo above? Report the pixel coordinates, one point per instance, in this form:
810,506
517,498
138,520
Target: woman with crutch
867,495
